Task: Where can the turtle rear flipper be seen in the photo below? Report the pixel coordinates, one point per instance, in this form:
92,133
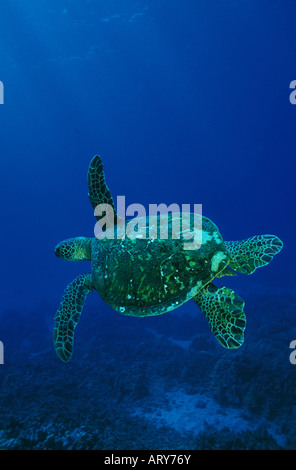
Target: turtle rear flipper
223,309
68,314
99,193
248,255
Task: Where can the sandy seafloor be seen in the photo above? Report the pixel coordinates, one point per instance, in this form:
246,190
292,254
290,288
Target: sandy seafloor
150,383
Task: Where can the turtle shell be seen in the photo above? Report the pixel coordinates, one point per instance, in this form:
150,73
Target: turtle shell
150,275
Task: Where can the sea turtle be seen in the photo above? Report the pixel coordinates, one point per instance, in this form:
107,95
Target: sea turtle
152,275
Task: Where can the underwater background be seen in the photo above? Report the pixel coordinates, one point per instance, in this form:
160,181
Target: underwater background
186,102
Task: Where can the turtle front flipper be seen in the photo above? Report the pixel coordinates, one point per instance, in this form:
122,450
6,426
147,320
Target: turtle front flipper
99,193
248,255
68,314
223,309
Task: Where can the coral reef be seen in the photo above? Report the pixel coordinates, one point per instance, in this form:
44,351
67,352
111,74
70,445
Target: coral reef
150,383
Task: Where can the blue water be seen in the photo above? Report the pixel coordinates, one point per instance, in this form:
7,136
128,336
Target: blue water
186,102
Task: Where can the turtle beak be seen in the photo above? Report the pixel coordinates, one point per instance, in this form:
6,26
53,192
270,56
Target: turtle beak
57,251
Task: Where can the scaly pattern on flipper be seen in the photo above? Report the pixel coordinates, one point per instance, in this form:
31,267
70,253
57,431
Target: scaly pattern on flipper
98,191
248,255
223,309
68,314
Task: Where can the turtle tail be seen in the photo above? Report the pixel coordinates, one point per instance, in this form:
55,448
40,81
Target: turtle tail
248,255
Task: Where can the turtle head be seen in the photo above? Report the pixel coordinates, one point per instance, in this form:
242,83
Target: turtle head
74,249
